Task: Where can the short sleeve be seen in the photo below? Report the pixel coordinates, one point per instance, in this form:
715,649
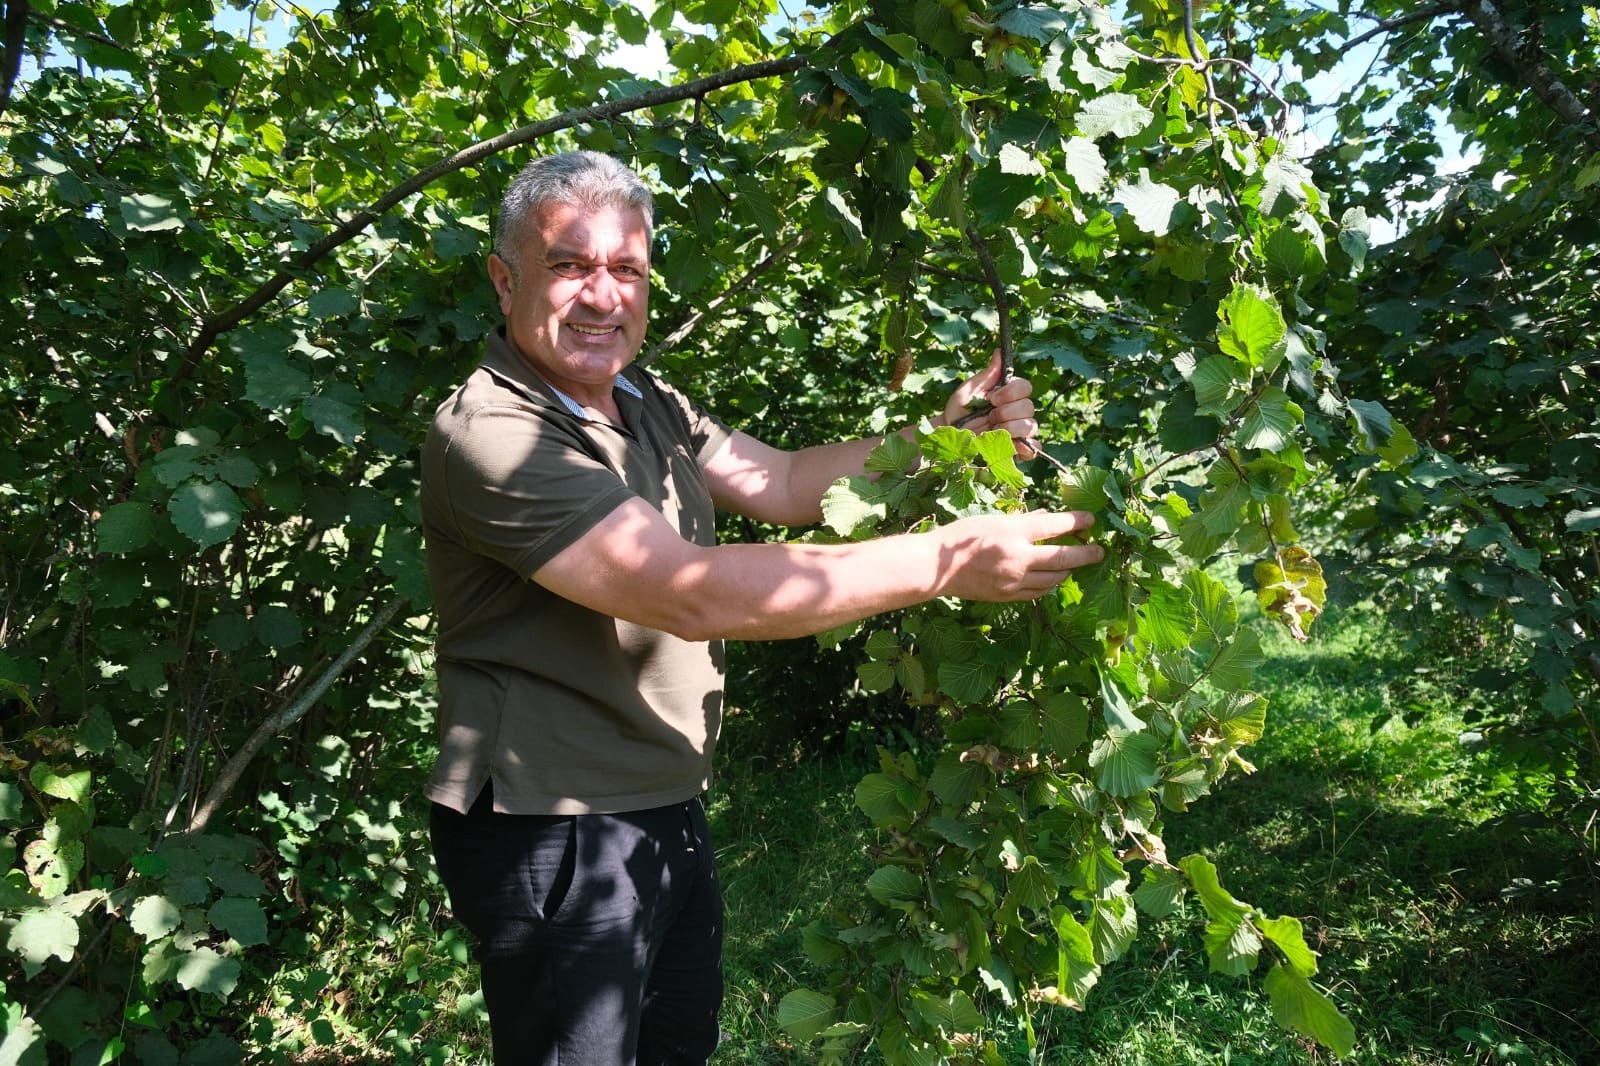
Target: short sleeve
517,484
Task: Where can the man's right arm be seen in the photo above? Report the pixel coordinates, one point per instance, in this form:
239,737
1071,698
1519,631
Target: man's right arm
633,565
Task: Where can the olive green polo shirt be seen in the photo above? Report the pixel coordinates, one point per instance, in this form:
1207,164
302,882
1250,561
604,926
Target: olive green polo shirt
566,710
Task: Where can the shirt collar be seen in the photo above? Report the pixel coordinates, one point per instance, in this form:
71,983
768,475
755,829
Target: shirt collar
511,369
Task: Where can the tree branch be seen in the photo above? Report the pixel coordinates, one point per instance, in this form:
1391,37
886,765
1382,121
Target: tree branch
286,716
356,224
1534,72
1002,305
1389,25
689,324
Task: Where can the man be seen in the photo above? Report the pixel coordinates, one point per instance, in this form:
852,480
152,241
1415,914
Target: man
568,503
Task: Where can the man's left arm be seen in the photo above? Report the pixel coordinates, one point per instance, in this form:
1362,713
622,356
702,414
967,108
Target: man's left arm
786,488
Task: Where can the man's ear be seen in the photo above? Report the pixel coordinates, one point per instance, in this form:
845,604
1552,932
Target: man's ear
500,275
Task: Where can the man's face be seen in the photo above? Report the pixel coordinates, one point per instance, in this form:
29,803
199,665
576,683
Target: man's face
576,307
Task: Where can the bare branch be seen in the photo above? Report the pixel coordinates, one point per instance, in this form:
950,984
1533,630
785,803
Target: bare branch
287,715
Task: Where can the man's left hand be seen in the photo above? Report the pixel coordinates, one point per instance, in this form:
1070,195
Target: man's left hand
1009,407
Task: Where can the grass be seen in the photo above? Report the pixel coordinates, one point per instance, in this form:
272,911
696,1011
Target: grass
1451,930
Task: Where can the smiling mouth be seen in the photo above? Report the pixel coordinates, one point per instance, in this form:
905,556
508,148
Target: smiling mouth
592,331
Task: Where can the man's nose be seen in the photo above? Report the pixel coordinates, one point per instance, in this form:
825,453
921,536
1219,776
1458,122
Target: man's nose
601,290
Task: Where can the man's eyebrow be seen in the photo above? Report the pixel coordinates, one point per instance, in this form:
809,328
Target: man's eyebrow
557,254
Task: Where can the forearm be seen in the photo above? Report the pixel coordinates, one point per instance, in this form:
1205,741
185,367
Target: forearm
813,470
776,591
635,566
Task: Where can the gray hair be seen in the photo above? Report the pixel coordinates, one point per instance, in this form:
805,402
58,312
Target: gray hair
578,179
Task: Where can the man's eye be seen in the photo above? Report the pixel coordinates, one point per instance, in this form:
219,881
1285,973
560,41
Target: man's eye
626,273
568,270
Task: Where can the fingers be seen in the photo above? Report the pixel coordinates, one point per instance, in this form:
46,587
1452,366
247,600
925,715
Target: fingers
1047,525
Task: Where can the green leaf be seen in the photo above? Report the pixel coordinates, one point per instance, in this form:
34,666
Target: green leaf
1016,159
1181,428
125,527
1299,1006
1149,203
1125,762
1586,520
1084,165
333,417
1232,945
1218,902
1066,723
40,935
875,676
278,627
1588,174
150,212
1285,185
877,796
204,970
153,917
457,242
1372,422
950,1014
1032,886
1160,891
1289,937
242,919
888,884
1218,386
1252,329
333,303
205,511
999,451
273,380
1269,423
956,781
851,506
24,1044
1167,618
1085,489
1040,23
1235,666
895,455
1113,923
1241,717
967,682
804,1014
72,786
10,803
1116,113
1114,705
1355,236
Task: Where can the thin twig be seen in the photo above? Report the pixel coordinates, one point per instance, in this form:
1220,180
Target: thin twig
1002,305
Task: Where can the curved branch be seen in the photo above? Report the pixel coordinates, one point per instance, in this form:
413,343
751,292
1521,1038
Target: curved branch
356,224
1392,24
286,716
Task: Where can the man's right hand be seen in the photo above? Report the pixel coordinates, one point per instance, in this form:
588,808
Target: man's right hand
1000,558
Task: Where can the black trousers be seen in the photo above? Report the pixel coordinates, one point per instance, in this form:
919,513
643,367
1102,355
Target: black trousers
599,935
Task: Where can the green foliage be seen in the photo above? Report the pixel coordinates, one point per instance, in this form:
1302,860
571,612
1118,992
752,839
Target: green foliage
238,308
